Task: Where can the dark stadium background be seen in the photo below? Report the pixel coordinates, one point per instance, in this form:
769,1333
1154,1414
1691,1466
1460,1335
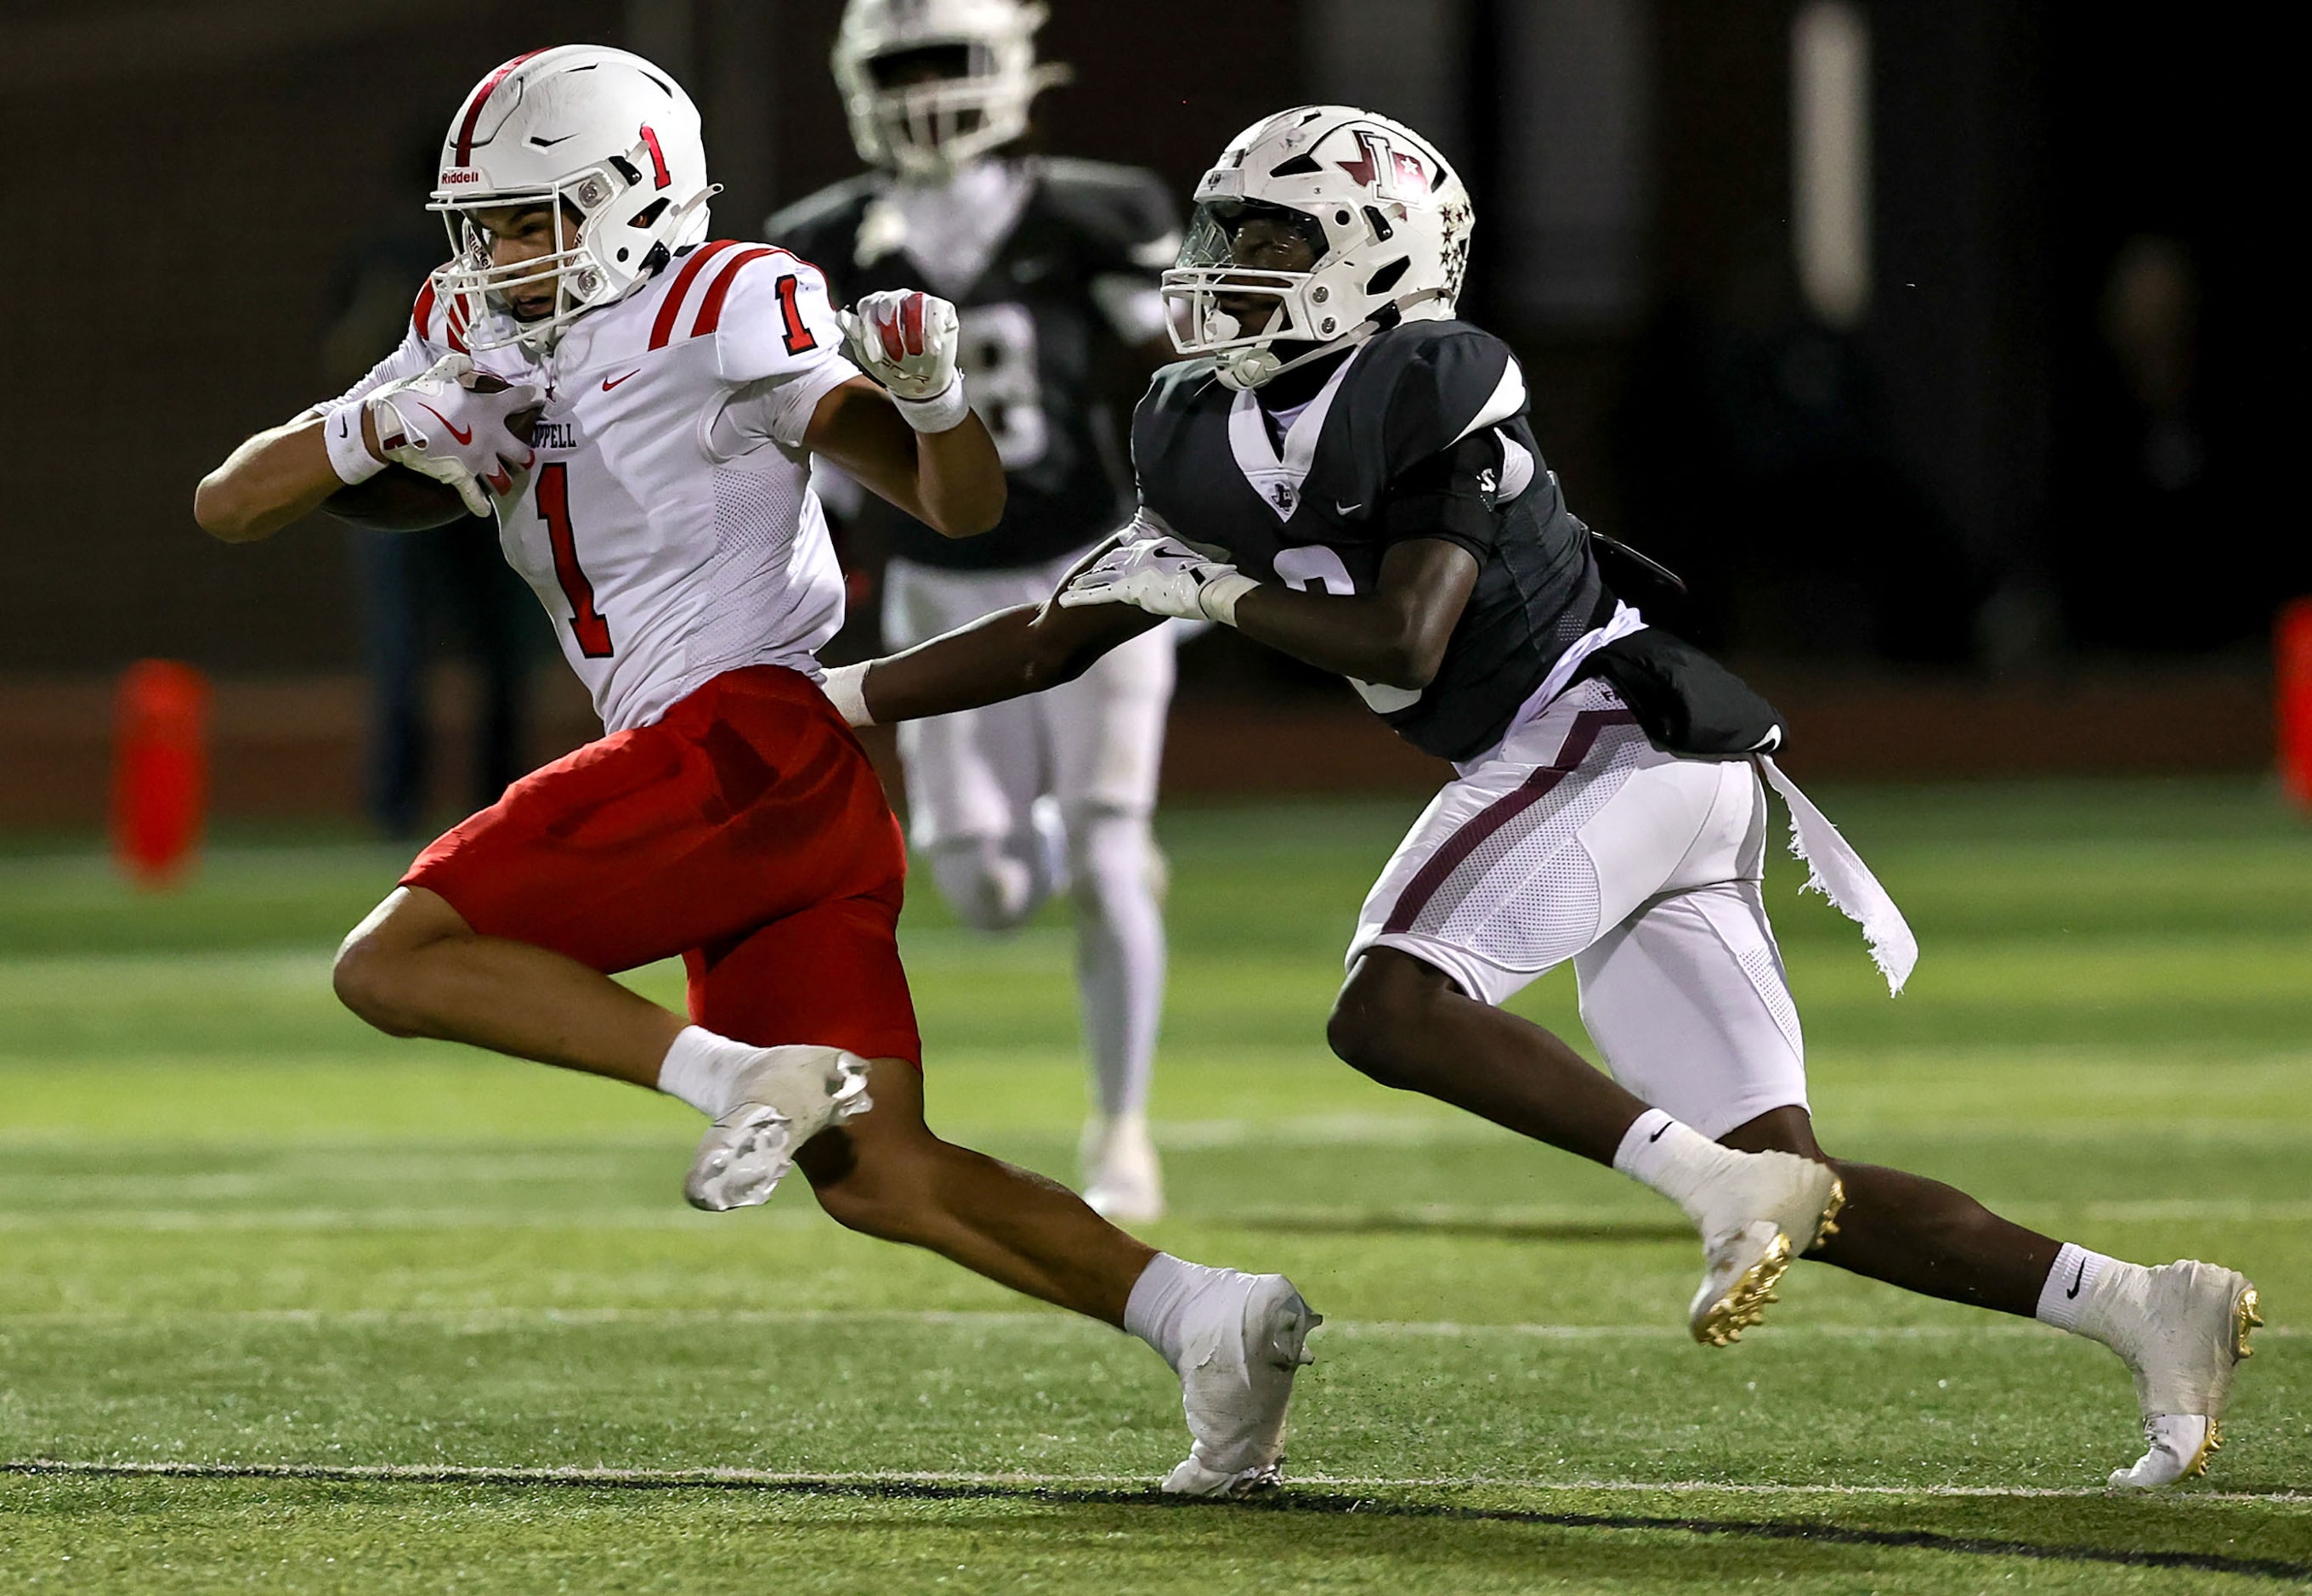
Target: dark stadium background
1954,537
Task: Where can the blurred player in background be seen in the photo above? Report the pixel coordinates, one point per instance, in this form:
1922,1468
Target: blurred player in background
1053,268
638,408
1344,470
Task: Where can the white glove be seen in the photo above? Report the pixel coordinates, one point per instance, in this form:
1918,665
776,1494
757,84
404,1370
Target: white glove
450,423
1164,577
906,339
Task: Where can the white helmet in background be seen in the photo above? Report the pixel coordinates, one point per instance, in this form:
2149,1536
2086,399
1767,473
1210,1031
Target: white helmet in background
594,133
1386,218
984,53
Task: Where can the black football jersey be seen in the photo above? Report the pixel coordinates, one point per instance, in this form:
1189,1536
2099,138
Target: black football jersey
1421,433
1034,341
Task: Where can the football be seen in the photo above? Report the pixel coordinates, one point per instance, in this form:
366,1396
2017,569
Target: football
397,500
401,499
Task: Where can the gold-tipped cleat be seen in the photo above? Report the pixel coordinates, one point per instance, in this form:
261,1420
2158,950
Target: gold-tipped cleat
1829,1227
1745,1304
2248,1314
2214,1444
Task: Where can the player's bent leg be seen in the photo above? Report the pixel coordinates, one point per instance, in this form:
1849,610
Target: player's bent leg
415,968
1120,976
2181,1328
1912,1232
1235,1340
887,1175
1406,1024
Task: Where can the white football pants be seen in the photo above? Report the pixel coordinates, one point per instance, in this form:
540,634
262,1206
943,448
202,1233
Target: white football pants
1580,839
1090,750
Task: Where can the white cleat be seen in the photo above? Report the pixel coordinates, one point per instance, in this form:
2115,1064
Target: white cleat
2191,1330
1123,1180
788,1097
1769,1209
1236,1381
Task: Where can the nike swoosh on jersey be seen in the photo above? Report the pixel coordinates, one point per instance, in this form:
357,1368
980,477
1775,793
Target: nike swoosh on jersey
464,436
610,382
1341,509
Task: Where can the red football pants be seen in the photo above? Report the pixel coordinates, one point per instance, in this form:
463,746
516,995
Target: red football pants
746,832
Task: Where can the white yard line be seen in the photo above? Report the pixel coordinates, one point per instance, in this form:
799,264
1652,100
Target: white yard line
1440,1217
1986,1327
461,1474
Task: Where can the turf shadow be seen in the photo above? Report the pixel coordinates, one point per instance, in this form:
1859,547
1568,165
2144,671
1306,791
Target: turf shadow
1281,1501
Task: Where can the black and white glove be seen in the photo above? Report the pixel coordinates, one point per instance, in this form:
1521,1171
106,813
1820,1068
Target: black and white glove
1162,575
906,339
453,424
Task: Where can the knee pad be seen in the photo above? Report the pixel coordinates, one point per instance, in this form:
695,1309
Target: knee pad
1112,856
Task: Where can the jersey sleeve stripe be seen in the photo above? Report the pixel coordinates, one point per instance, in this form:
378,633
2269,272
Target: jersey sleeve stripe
710,307
423,308
670,309
1508,398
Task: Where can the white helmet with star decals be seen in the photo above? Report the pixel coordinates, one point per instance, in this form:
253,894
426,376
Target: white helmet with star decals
608,141
1385,221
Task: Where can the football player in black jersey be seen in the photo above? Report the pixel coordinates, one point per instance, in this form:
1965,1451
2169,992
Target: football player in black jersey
1344,472
1053,265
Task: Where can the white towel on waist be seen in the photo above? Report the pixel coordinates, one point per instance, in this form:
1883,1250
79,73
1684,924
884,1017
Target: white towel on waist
1840,875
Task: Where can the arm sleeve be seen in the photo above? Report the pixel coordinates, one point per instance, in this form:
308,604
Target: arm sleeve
779,348
1454,495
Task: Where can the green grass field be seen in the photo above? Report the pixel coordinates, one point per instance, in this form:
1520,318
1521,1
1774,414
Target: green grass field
287,1305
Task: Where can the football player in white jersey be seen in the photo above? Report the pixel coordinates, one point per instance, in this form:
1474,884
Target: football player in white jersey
1365,494
1052,265
638,407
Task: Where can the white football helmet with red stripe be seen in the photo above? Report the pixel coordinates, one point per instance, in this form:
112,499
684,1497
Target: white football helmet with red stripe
1386,219
592,132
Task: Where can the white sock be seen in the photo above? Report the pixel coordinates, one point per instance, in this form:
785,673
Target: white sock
1162,1299
1674,1159
1120,953
2081,1286
703,1069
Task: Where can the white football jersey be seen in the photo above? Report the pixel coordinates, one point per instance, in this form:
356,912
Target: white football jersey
668,525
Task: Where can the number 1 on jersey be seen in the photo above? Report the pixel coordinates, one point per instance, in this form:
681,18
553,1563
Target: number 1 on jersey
586,623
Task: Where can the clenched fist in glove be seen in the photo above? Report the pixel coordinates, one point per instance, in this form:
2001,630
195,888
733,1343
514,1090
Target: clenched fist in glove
906,340
1157,572
453,424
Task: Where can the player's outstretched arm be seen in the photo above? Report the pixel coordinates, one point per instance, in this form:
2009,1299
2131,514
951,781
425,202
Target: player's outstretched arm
1007,655
1394,636
951,481
276,477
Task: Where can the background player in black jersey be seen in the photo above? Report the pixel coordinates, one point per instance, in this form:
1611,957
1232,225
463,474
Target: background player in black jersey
1052,265
1363,492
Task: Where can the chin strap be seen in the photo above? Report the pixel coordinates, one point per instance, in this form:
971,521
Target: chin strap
1245,368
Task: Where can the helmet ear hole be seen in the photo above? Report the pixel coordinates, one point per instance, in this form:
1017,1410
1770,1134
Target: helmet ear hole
1387,278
